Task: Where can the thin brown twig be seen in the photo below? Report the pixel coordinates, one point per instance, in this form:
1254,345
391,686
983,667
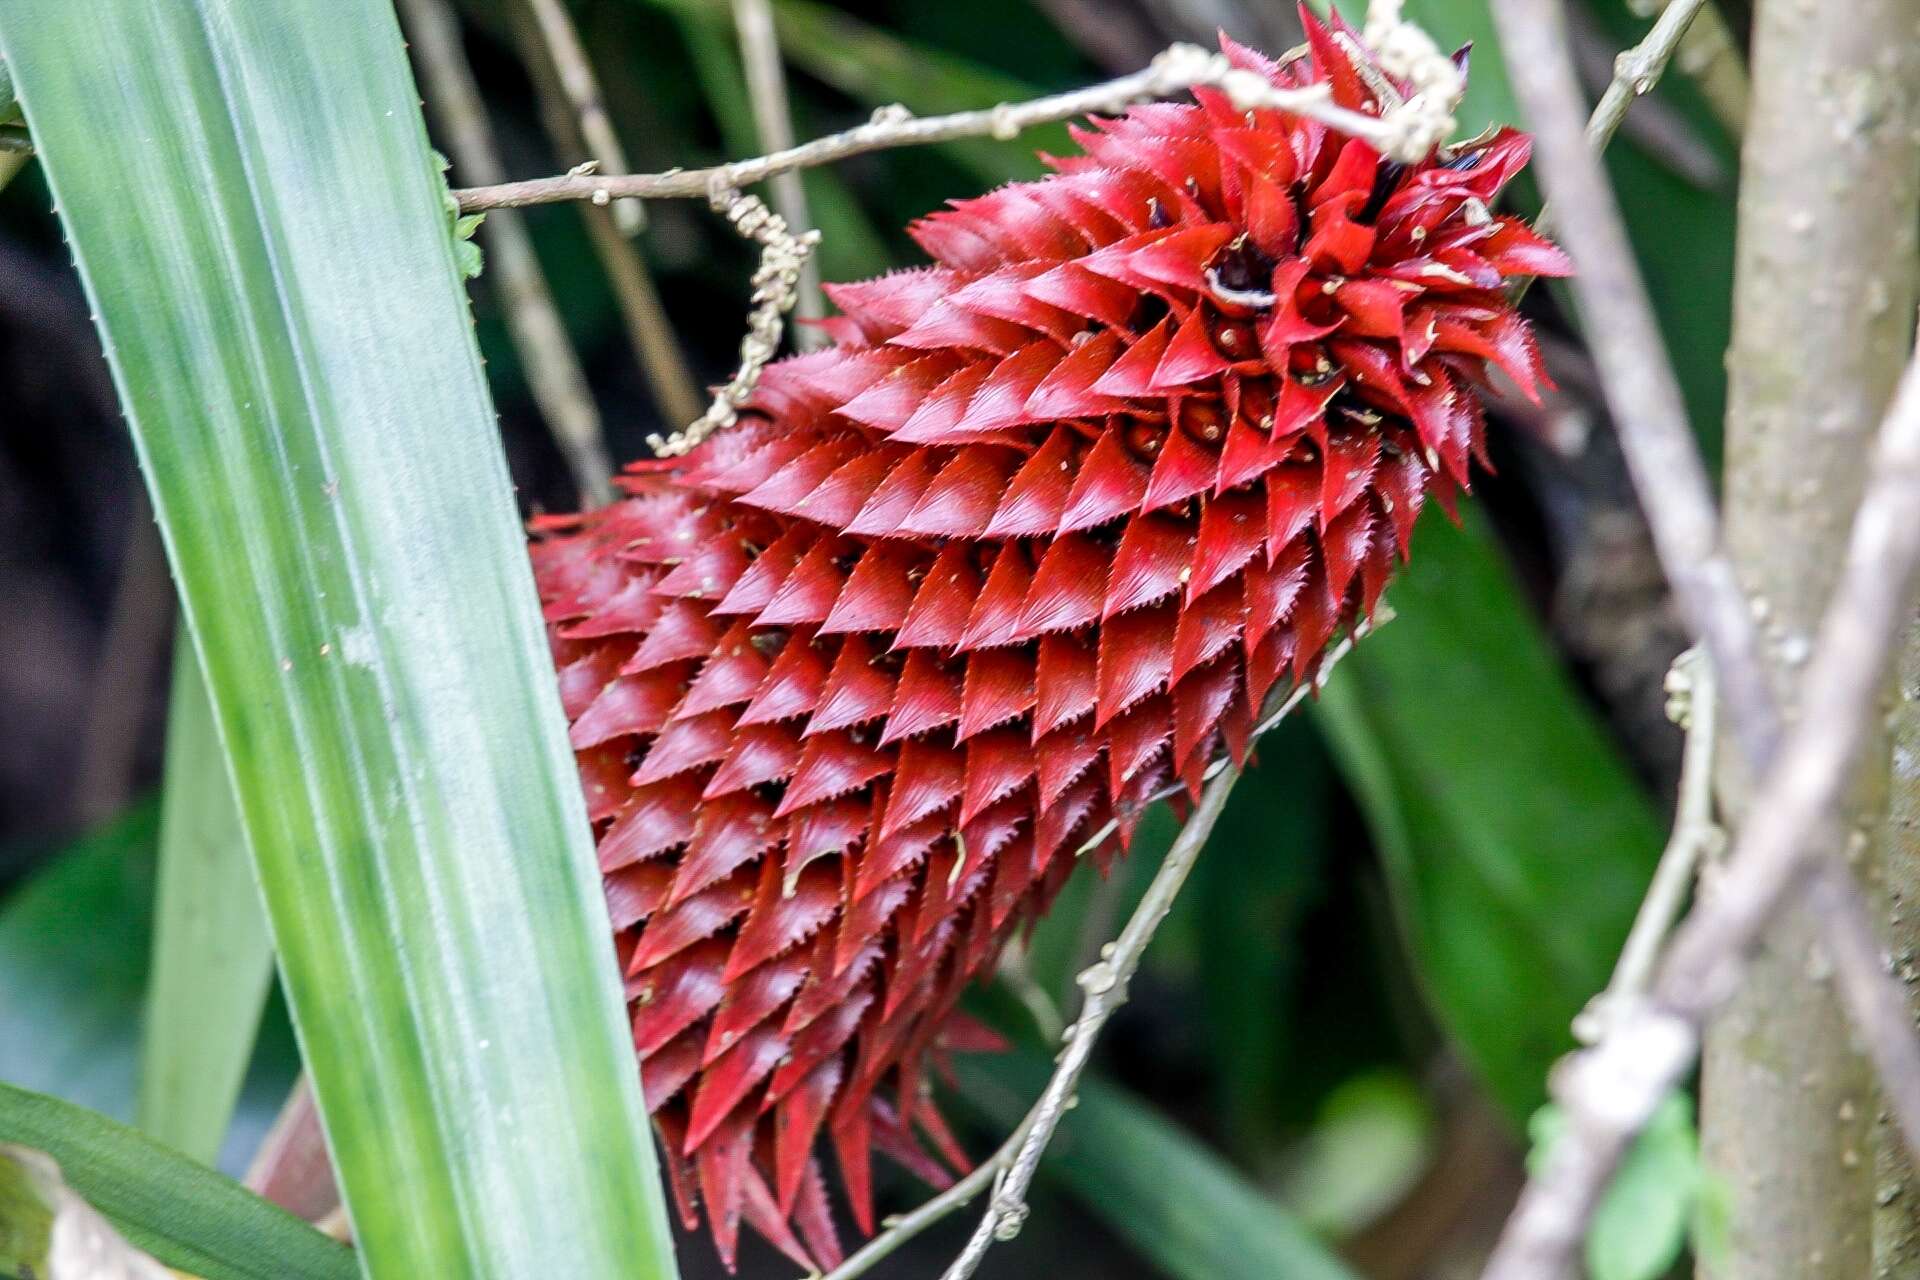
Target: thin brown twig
1611,1090
1015,973
767,91
650,334
675,390
1692,704
553,370
574,72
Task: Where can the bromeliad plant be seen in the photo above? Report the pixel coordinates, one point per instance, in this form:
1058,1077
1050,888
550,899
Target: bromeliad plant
854,682
851,682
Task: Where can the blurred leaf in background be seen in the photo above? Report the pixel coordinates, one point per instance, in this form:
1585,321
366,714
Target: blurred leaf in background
212,961
1366,1150
1661,1199
1498,805
73,967
75,950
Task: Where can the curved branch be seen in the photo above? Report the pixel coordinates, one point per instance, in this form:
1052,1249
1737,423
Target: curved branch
1413,129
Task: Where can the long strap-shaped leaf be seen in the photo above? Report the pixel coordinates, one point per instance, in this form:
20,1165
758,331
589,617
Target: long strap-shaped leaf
250,196
212,962
177,1209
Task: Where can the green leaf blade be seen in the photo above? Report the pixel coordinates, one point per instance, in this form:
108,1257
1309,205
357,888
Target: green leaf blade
1496,801
212,959
174,1208
282,311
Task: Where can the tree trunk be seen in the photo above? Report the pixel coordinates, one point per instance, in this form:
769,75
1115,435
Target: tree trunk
1824,297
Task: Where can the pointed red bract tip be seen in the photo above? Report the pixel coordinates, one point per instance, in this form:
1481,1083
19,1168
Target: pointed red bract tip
853,682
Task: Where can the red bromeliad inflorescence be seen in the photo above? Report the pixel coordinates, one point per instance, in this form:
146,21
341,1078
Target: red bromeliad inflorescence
853,682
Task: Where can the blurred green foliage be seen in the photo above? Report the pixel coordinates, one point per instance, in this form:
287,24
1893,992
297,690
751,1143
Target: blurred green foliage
1662,1199
1496,802
73,967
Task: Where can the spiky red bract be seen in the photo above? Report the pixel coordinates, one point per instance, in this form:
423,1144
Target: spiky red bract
852,682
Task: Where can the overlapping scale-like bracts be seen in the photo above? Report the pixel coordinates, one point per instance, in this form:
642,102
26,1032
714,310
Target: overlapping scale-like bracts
856,684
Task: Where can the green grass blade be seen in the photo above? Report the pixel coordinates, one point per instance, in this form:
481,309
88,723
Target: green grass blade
1180,1205
212,961
1515,840
176,1209
282,312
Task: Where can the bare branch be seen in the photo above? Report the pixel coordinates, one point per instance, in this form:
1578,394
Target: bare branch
1708,56
1692,704
1635,73
1637,378
767,90
1409,131
897,1231
1105,984
650,335
553,370
1638,69
1611,1090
